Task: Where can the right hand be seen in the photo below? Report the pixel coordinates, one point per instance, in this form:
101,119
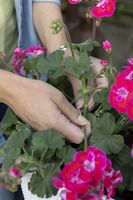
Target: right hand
44,107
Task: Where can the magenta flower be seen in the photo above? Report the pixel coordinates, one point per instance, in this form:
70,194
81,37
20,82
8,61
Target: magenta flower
35,51
130,110
111,179
88,170
104,8
107,46
74,1
120,96
130,61
104,63
21,55
14,172
121,93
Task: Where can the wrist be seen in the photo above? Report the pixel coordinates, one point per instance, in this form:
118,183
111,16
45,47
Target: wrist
8,85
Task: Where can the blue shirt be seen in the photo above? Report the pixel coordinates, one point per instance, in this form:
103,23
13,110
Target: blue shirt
27,33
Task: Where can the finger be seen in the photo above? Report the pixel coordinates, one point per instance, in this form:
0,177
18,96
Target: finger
97,67
69,130
70,112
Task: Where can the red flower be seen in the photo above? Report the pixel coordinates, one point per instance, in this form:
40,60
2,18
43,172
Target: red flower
120,96
87,172
104,8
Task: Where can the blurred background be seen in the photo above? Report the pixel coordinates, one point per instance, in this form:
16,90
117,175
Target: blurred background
117,29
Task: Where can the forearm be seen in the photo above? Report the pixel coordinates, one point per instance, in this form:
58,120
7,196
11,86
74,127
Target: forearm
43,14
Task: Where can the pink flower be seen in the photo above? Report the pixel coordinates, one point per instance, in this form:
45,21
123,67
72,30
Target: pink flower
130,110
132,151
111,179
107,46
120,96
74,1
14,172
88,170
130,61
35,51
104,63
104,8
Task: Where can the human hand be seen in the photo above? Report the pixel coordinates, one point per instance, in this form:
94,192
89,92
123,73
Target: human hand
101,82
44,107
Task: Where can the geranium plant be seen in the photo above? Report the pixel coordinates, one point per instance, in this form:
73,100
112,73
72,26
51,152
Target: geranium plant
84,172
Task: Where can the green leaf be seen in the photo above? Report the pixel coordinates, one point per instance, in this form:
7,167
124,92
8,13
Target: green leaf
70,63
12,148
124,163
52,62
42,186
9,120
86,46
92,118
48,138
31,63
102,97
66,154
17,138
103,137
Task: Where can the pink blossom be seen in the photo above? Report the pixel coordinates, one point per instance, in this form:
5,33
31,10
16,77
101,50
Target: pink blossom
104,62
107,46
130,61
35,51
21,55
15,172
120,96
104,8
88,170
74,1
130,110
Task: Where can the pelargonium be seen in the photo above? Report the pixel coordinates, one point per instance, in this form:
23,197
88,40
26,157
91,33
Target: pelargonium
14,172
103,8
107,46
121,93
21,55
74,1
86,176
120,96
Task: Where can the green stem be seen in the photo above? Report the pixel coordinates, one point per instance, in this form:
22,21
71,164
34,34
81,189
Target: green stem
85,107
94,29
36,74
69,39
44,153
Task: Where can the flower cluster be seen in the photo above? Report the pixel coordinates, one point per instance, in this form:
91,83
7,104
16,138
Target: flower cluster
102,8
121,93
107,46
21,55
86,177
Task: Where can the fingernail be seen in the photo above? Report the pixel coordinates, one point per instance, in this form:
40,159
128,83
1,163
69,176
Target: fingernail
83,121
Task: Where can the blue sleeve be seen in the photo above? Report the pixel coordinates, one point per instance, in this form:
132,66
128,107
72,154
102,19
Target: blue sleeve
53,1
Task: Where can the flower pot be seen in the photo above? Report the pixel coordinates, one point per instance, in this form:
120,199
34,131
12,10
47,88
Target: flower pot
29,196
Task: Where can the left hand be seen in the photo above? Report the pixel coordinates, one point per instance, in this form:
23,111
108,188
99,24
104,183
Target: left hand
101,82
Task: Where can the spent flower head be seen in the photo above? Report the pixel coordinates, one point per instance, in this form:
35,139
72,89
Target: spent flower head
56,26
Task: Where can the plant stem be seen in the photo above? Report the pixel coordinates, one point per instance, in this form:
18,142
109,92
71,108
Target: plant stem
43,154
69,39
94,29
85,107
